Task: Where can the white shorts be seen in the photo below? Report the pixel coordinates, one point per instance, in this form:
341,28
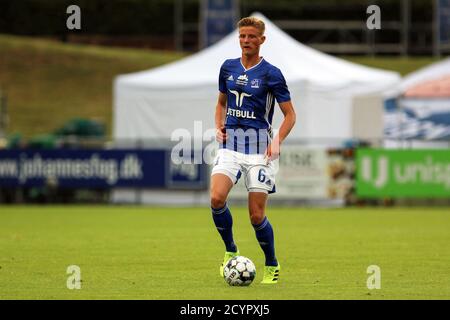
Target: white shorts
259,176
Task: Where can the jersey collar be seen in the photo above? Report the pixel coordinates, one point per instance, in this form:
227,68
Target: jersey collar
245,70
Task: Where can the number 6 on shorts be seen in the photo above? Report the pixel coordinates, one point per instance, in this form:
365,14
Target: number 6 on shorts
260,178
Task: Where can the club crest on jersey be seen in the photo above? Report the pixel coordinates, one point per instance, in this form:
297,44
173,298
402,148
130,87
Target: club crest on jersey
256,83
242,80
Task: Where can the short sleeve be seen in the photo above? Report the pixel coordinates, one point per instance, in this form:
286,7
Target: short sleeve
222,80
278,86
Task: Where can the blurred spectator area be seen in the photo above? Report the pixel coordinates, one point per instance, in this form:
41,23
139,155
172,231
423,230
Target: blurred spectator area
75,133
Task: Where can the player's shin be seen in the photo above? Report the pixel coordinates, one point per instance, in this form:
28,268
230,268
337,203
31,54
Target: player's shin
264,234
224,224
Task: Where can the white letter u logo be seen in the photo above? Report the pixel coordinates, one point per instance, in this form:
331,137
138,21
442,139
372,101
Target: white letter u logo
382,177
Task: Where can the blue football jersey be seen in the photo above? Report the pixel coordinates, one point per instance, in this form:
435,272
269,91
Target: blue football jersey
251,95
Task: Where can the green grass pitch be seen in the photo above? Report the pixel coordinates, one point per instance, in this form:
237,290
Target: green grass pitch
174,253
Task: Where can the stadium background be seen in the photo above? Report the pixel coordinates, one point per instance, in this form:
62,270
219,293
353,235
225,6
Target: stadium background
57,96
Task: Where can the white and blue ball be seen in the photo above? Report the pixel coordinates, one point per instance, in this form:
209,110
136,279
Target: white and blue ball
239,271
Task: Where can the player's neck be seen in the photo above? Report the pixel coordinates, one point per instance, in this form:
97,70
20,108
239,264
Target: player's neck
250,61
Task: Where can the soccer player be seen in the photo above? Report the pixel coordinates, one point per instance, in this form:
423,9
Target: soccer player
248,86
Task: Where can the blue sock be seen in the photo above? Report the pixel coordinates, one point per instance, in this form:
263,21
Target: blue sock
264,234
224,224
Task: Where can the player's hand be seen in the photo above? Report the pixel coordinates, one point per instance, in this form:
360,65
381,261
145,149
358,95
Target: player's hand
221,134
272,152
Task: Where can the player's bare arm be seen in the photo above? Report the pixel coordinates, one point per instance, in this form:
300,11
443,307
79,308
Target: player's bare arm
273,150
221,108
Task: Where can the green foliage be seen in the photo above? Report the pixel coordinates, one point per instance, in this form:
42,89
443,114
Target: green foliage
81,128
43,141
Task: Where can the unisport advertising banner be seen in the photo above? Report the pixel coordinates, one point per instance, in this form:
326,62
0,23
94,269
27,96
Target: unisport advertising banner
403,173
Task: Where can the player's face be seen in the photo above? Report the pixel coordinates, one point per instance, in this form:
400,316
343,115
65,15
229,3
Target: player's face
250,40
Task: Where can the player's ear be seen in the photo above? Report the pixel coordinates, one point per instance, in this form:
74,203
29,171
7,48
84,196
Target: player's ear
263,38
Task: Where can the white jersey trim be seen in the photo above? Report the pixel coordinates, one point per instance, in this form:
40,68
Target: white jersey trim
245,70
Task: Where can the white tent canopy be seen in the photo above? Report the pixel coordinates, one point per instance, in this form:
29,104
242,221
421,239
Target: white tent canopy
333,98
434,71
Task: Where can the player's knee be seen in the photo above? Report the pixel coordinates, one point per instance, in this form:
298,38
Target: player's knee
217,201
257,218
256,215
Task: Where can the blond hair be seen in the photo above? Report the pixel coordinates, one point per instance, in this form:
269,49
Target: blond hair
252,22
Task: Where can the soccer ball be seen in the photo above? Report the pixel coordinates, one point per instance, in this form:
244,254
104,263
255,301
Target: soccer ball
239,271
